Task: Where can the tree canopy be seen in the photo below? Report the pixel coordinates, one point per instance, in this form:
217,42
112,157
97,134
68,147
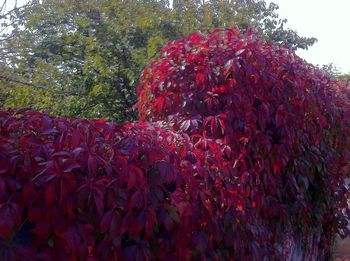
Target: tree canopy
83,58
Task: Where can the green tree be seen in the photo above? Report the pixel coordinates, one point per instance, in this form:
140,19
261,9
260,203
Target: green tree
83,58
197,14
345,77
332,70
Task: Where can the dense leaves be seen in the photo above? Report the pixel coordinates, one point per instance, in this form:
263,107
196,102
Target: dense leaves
74,189
243,158
78,189
283,126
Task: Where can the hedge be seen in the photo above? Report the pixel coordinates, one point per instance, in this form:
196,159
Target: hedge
240,154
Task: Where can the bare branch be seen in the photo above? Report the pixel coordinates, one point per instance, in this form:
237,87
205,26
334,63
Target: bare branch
3,6
5,13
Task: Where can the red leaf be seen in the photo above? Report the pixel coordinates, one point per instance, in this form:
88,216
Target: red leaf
279,117
136,200
159,103
91,194
92,165
166,171
200,78
106,221
134,174
50,193
42,229
150,222
10,218
68,166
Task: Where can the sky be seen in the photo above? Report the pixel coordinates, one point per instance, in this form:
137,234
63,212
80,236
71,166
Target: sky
328,21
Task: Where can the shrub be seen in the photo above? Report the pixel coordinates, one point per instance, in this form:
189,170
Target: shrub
88,190
285,126
243,158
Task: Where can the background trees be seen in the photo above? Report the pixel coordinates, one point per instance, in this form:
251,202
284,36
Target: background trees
82,58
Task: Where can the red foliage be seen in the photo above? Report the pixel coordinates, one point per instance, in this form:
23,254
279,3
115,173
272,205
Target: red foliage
88,190
248,150
282,124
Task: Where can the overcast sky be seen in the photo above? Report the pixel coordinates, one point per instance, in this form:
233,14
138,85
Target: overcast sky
328,21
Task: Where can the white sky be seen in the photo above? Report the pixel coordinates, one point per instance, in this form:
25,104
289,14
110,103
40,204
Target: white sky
328,21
